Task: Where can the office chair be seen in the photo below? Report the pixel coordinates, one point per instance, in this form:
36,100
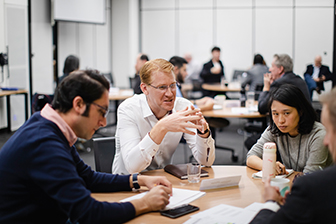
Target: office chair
104,150
109,77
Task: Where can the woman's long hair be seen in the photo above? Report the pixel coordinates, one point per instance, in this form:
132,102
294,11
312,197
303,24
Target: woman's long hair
292,96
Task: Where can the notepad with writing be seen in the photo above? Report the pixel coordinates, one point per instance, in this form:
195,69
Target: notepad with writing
180,171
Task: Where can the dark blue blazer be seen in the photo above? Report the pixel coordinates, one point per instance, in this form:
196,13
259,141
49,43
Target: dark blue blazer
324,70
312,200
207,76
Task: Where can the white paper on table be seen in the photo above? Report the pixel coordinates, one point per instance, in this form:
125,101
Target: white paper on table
220,182
259,174
224,214
128,92
180,197
240,110
255,207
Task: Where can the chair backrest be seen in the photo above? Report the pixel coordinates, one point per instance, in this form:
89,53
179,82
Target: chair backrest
104,150
39,100
109,77
132,82
197,85
237,74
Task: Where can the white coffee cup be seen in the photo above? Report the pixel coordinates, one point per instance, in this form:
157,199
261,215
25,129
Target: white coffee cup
194,173
282,183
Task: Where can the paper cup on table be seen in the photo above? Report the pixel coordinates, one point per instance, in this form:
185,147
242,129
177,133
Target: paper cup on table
194,173
282,183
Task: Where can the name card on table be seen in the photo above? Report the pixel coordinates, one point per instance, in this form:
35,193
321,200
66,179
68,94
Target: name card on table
220,182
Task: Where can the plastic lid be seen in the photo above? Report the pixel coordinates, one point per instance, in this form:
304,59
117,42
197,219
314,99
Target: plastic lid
270,147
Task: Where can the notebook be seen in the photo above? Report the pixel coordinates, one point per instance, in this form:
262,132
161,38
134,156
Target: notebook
180,171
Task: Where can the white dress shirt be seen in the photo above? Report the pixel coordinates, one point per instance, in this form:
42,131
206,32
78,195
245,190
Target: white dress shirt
136,151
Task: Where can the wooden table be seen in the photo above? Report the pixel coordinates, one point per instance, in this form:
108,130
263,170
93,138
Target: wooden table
220,88
249,191
9,93
227,112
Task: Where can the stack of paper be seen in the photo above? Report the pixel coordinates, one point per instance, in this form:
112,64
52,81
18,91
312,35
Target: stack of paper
259,174
226,214
180,197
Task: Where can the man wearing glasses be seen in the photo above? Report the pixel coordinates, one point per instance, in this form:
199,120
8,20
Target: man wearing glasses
150,125
43,179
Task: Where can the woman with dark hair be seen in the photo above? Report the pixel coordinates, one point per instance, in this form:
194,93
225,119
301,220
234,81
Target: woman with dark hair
297,134
71,64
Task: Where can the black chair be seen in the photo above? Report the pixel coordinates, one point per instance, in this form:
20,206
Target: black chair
104,150
196,91
109,77
237,74
39,100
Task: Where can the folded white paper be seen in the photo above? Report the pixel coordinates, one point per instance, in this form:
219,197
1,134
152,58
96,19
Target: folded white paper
220,182
180,197
259,174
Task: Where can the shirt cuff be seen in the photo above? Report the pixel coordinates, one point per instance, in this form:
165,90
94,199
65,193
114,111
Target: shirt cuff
271,205
149,146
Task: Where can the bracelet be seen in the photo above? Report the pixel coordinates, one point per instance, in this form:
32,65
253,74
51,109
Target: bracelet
200,133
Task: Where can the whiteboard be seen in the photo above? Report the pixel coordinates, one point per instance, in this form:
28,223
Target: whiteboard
85,11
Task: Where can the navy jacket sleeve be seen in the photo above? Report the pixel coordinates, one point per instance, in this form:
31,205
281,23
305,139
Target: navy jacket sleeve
64,177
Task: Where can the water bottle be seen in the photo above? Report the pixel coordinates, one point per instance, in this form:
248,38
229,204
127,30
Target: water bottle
269,160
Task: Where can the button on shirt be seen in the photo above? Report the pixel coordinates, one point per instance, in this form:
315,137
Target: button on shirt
136,151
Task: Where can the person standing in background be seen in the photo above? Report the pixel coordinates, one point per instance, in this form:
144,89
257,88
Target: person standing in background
213,70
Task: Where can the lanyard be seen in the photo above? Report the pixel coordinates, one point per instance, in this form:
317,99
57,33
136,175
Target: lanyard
289,158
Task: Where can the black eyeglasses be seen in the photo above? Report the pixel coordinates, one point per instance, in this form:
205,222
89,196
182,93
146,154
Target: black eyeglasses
104,111
164,88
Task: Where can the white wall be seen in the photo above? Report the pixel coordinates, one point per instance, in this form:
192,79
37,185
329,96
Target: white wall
42,47
90,42
125,40
300,28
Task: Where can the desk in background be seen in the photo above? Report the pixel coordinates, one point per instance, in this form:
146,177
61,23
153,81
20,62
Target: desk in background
117,95
7,94
230,110
217,87
249,191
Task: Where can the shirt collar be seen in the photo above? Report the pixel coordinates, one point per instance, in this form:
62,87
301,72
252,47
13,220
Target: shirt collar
147,112
50,114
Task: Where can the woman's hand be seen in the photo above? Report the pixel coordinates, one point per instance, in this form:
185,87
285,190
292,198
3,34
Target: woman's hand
280,169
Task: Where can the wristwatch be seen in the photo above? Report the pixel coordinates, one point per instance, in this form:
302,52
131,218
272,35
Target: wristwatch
206,131
135,181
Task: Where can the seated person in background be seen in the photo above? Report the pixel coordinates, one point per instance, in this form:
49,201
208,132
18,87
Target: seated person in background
213,70
193,68
44,180
315,75
180,66
140,61
150,125
281,73
312,196
295,131
71,64
255,75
